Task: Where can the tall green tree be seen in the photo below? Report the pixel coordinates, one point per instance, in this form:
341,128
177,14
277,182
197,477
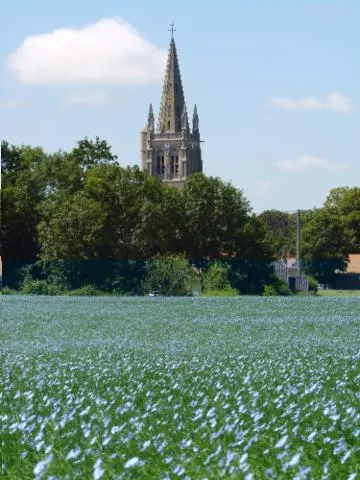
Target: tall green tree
325,245
22,191
215,215
344,202
280,231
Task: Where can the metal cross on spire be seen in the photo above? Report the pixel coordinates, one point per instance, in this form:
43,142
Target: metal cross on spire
172,29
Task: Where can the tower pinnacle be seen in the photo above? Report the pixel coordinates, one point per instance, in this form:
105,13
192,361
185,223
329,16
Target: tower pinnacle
195,120
151,118
172,29
172,101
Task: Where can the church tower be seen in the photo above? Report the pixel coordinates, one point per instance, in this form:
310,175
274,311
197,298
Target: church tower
172,150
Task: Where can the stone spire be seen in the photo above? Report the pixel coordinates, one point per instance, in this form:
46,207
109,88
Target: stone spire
151,119
195,121
172,101
184,120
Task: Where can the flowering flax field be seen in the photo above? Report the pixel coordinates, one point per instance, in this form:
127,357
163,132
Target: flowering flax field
191,388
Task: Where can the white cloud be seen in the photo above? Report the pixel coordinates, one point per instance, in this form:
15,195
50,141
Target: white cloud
110,51
93,98
312,163
334,102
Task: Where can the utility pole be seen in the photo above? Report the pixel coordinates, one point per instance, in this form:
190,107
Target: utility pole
298,234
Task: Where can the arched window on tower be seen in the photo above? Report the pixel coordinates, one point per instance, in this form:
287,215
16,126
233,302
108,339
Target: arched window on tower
160,165
174,164
177,166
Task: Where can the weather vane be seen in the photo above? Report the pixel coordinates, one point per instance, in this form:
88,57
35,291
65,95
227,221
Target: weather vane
172,29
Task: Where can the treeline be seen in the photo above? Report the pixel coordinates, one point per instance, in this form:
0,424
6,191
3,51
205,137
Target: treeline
78,220
328,234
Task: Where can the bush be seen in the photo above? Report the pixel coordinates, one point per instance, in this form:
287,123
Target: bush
216,277
8,291
170,275
269,290
277,287
39,287
282,288
313,284
86,290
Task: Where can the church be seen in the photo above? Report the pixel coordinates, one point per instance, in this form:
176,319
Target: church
171,151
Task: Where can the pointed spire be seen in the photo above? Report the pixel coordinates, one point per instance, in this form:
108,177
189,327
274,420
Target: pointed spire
172,101
151,119
195,120
184,119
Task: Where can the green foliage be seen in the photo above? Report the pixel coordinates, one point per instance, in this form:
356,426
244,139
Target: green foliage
344,202
269,290
276,287
86,290
313,284
216,277
21,195
80,218
216,215
282,288
215,280
225,292
8,291
280,228
170,275
39,287
325,245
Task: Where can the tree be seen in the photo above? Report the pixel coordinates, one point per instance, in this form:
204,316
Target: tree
169,275
216,279
215,216
345,203
21,195
71,228
325,246
160,226
89,154
280,230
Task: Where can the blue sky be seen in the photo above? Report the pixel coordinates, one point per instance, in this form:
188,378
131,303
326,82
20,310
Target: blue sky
277,84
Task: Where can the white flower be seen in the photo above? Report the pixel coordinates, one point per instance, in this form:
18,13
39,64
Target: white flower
133,462
346,456
41,467
73,453
98,470
115,429
281,442
294,460
311,436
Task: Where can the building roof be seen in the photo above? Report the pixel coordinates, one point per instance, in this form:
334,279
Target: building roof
172,106
354,263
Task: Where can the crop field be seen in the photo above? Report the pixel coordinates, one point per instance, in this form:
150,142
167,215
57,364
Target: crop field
190,388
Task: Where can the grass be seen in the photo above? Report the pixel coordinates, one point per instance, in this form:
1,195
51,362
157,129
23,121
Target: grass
195,388
339,293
